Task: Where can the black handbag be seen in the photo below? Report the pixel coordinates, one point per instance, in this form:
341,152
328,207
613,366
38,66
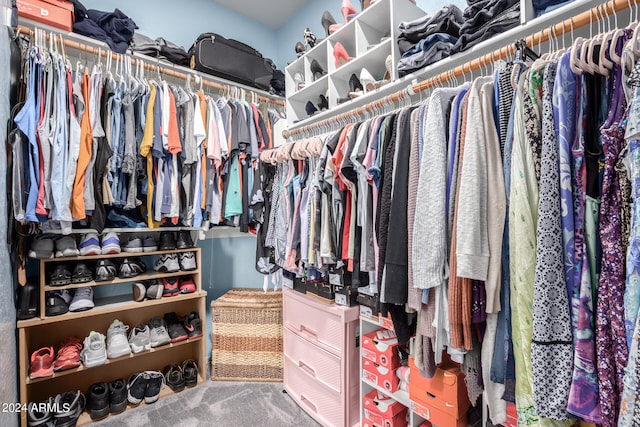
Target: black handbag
232,60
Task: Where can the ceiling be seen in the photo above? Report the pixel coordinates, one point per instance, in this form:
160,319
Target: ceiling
272,13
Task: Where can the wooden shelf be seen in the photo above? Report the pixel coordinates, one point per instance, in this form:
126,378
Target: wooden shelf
82,368
120,255
139,278
109,305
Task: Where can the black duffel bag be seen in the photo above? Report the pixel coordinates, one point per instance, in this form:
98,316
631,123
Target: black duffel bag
232,60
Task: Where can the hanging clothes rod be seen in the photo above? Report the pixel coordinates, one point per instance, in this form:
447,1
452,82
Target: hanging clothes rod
21,29
600,11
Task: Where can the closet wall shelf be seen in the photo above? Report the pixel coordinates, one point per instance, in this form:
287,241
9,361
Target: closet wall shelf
140,230
120,255
139,278
399,396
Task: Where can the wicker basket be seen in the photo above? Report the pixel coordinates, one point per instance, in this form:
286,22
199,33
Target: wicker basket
247,336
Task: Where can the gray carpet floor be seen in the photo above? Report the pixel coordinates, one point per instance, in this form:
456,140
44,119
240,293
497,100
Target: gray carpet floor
215,403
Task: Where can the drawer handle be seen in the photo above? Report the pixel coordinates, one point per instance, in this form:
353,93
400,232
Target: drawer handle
432,396
311,332
308,403
307,368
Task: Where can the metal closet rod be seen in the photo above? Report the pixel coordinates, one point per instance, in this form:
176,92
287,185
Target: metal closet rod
600,11
152,67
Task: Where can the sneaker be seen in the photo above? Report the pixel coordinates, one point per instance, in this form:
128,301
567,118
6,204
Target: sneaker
140,338
117,396
187,261
133,245
41,363
82,299
139,291
28,305
131,268
156,381
151,289
70,406
39,414
60,276
90,244
155,289
187,286
149,244
167,263
170,286
94,352
106,271
117,343
193,325
184,240
98,401
81,274
173,377
158,332
167,241
68,355
190,373
66,247
177,332
57,302
110,244
41,247
137,387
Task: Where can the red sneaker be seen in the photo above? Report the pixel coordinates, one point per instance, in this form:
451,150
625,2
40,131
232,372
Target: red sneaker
170,286
68,355
187,286
42,363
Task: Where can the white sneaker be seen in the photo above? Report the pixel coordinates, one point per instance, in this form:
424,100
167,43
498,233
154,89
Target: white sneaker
140,339
167,263
187,261
94,352
117,344
90,245
158,332
82,299
110,244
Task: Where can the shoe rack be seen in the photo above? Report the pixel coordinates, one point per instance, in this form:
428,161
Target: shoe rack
361,38
45,331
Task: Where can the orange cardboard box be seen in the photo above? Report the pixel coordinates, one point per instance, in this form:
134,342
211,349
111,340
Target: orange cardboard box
56,13
384,412
381,376
381,347
445,392
437,417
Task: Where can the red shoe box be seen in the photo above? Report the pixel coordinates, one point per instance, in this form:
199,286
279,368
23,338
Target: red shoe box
56,13
381,347
379,375
384,413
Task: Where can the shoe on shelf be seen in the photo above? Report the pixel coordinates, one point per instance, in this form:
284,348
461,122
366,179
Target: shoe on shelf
133,245
327,21
177,332
94,352
190,372
57,302
117,343
90,245
167,241
355,87
310,108
39,414
117,396
69,354
170,287
340,54
137,387
323,103
348,11
369,83
149,244
173,377
184,240
298,79
139,291
131,268
110,244
388,64
82,299
335,27
186,285
309,38
158,334
60,276
41,247
70,406
167,263
106,271
155,289
139,338
66,247
187,261
98,401
28,301
81,273
316,70
41,363
193,325
154,386
300,50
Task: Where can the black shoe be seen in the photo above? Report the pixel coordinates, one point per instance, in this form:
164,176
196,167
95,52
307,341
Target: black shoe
355,86
117,396
81,273
131,268
316,70
309,38
38,414
310,108
184,240
327,21
28,299
137,387
105,271
173,377
323,104
193,325
55,304
98,401
176,330
300,50
70,406
156,381
190,373
167,241
60,276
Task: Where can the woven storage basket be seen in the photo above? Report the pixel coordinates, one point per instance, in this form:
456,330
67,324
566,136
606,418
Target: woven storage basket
247,336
